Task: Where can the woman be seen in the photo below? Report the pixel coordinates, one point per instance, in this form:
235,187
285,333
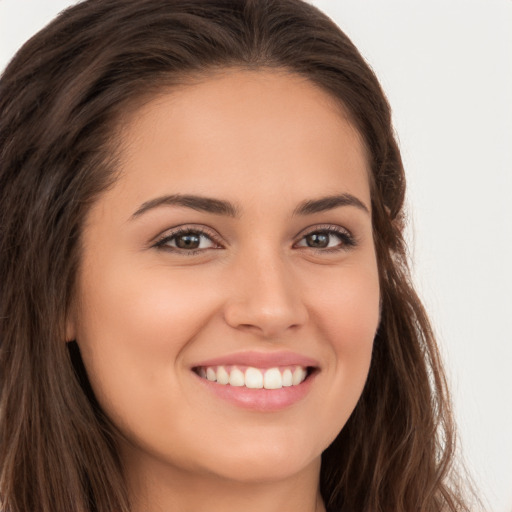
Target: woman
205,298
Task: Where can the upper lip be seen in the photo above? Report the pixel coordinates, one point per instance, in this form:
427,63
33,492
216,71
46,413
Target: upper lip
260,360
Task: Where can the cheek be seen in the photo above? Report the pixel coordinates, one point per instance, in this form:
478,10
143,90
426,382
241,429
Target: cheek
133,326
347,304
347,313
142,309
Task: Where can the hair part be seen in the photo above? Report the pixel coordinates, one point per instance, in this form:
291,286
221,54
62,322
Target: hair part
63,99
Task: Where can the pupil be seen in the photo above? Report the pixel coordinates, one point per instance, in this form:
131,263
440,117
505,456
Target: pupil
317,240
190,241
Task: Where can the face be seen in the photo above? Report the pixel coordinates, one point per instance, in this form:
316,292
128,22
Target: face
228,294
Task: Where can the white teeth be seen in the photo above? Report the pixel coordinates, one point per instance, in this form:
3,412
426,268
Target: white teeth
298,376
222,375
236,377
287,377
272,379
254,378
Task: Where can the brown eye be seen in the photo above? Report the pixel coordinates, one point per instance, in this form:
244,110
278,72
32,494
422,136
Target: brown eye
188,241
331,239
318,240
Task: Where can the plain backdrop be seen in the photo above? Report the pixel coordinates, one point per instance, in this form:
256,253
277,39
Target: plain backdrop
446,66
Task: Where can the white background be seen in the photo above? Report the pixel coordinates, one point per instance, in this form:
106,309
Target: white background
447,69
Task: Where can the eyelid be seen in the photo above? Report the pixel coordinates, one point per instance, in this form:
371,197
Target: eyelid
349,239
200,229
323,227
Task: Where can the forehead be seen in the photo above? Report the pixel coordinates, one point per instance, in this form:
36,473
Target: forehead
242,132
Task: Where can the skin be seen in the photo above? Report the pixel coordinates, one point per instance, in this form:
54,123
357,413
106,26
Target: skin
265,141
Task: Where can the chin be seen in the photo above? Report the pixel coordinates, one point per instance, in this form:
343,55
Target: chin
264,463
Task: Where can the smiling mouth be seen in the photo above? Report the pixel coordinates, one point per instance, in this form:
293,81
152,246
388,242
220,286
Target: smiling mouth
255,378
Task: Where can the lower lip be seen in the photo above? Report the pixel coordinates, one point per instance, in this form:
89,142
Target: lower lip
263,400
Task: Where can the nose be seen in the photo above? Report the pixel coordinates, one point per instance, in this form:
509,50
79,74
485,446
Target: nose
265,298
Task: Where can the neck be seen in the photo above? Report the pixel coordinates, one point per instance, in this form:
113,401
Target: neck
161,488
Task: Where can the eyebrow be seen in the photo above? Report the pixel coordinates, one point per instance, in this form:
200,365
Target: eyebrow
221,207
200,203
329,203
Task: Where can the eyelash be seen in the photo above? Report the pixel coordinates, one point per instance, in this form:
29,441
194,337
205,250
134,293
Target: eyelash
347,240
163,242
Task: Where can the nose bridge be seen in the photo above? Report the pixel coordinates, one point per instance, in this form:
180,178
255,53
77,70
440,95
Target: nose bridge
265,296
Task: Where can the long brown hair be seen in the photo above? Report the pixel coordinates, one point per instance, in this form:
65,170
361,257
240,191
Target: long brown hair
61,99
